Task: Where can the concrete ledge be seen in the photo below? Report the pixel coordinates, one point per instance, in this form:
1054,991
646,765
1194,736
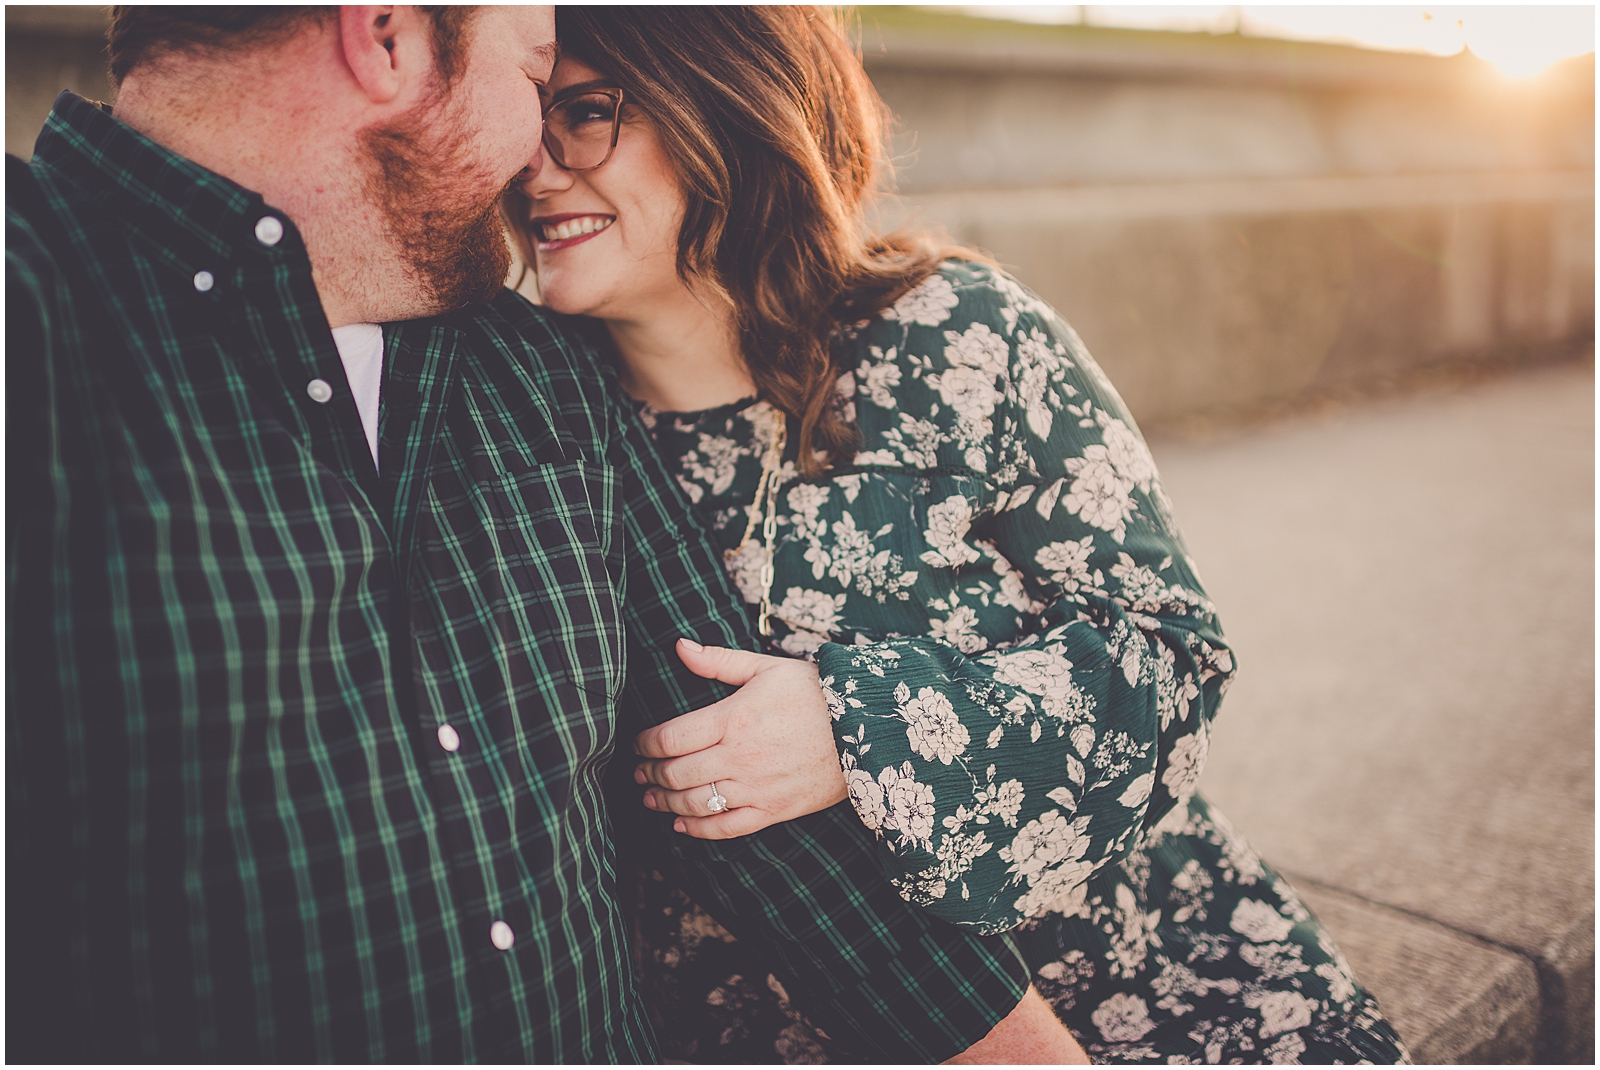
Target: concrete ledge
1452,998
1566,973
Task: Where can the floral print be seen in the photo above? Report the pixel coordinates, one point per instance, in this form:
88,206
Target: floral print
1023,668
994,580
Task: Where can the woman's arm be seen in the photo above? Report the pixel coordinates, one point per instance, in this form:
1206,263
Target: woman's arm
998,783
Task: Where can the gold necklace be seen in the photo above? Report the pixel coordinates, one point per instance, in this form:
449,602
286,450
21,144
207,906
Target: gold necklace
765,508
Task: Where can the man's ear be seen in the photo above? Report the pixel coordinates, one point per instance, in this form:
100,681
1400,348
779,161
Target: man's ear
386,48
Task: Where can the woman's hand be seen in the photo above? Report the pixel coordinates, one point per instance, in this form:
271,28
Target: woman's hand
768,747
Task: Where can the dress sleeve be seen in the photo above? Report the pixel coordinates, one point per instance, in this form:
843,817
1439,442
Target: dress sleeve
997,783
886,981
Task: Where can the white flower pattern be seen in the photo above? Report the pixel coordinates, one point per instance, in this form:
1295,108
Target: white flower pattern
1123,1017
928,304
948,524
935,732
1258,921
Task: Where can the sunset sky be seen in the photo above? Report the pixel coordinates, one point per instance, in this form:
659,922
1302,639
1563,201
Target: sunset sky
1520,40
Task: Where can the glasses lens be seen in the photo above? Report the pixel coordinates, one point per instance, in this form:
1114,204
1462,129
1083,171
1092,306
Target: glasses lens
581,127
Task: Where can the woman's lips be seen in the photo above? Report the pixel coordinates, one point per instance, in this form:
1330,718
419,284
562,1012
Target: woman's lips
564,231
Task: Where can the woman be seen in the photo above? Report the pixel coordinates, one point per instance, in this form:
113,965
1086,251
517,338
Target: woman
924,483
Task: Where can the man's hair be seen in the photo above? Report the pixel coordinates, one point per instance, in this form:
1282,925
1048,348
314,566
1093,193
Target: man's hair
777,138
143,34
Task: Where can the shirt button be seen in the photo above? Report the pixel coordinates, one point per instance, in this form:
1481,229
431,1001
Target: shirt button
501,936
449,738
203,281
269,230
319,391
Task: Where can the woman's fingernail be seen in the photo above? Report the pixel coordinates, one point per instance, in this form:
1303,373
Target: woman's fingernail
638,775
679,826
649,801
691,644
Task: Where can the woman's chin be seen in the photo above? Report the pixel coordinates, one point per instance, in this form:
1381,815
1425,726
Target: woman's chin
562,299
566,308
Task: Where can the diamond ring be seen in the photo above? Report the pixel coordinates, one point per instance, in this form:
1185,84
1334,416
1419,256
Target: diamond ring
716,804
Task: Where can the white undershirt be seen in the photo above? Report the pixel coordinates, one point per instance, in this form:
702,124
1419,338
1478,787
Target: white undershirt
361,350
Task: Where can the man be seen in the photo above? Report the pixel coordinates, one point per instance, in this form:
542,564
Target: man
319,628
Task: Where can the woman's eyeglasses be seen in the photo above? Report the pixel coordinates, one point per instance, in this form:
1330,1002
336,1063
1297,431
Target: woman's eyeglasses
581,127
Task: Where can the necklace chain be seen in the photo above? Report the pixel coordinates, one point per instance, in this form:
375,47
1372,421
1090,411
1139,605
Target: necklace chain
764,510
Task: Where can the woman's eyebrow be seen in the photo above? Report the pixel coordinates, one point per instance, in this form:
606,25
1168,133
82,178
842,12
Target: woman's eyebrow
584,87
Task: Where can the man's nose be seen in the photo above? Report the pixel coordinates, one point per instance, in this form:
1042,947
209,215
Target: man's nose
537,163
544,176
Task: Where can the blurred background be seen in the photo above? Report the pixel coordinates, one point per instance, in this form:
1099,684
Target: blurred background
1231,221
1340,264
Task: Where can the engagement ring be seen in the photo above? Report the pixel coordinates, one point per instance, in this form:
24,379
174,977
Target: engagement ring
716,804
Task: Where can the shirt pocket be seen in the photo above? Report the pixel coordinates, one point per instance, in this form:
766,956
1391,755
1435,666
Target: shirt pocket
563,525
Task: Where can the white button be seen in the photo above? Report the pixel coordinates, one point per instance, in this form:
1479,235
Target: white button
269,231
449,738
501,936
203,281
319,391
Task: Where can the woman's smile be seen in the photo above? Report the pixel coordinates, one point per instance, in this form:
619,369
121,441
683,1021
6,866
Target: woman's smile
568,229
634,197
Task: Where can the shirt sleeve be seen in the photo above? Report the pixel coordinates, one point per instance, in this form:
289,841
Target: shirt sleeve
997,783
884,980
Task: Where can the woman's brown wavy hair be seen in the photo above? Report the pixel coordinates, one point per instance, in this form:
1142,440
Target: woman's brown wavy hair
778,140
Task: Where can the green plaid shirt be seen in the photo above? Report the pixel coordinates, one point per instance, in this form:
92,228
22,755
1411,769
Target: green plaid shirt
309,762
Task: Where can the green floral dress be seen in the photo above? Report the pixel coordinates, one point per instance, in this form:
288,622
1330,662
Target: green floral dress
1022,668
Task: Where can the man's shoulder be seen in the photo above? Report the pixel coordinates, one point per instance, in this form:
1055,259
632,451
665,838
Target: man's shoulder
26,210
538,325
549,343
22,185
46,216
35,242
521,349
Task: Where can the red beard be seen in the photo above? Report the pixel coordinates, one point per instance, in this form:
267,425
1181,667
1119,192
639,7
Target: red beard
439,205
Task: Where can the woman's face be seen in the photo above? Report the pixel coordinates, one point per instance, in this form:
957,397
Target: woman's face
621,220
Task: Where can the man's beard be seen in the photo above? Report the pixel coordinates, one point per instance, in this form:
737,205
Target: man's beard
442,216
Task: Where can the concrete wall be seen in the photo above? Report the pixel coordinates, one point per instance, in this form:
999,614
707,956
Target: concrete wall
1230,223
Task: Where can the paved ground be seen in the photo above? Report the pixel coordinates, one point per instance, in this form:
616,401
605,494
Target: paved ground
1410,588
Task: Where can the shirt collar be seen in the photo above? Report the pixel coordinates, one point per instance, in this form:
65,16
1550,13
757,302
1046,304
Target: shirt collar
193,213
